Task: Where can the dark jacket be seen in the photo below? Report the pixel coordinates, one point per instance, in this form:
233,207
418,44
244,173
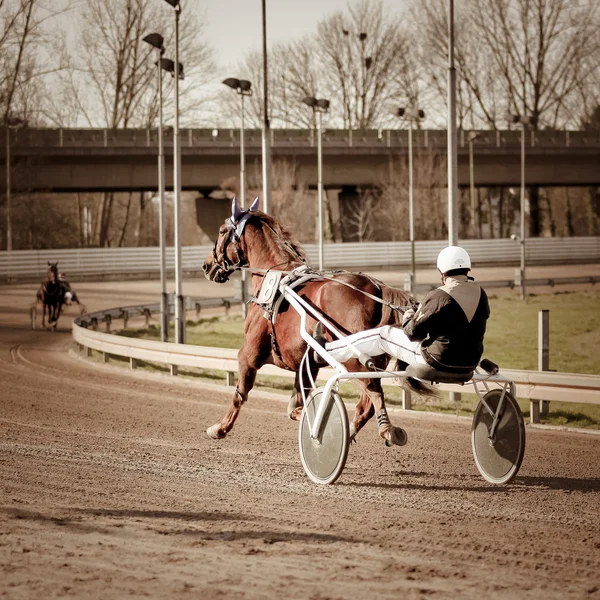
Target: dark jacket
450,324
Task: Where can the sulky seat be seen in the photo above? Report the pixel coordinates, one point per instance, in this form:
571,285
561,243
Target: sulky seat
427,373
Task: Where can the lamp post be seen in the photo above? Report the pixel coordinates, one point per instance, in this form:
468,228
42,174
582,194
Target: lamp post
179,301
412,115
473,135
266,135
319,106
243,88
157,42
10,123
524,120
452,137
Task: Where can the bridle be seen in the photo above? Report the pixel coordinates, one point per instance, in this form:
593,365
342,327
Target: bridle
235,231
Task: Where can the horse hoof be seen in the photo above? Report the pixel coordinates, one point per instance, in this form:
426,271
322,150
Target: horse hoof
292,407
296,414
352,431
214,433
395,436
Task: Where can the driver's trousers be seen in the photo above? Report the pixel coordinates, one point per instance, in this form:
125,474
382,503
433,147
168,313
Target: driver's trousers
373,342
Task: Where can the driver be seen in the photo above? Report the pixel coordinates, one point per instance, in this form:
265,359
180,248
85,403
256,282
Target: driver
446,331
70,295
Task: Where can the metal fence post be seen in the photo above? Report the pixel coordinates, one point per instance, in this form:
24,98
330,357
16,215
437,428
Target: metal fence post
544,352
406,400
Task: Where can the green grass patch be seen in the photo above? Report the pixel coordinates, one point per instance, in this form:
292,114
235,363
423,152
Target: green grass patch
511,341
512,333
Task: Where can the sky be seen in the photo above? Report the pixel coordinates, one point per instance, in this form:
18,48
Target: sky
235,26
232,28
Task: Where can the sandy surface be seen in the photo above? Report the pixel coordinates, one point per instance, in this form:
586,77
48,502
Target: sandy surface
111,489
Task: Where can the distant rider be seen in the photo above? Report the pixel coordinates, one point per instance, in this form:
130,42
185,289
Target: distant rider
70,295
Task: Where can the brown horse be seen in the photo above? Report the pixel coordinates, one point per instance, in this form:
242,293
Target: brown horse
257,241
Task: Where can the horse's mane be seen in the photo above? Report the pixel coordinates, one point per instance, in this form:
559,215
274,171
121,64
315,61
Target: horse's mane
283,237
396,297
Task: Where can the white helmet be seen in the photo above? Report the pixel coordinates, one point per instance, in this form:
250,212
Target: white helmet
453,257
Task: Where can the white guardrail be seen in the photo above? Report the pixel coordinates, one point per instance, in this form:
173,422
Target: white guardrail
121,261
533,385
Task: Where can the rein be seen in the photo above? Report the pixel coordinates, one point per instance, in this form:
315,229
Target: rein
235,236
321,275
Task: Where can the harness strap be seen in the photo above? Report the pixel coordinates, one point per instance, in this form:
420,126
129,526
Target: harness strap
321,275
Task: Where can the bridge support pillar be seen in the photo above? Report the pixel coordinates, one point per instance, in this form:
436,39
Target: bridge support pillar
211,212
349,204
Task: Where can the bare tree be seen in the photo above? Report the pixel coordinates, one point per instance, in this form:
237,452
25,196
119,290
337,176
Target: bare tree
28,53
513,56
358,59
113,82
364,54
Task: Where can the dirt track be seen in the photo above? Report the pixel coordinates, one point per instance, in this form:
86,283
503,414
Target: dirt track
110,488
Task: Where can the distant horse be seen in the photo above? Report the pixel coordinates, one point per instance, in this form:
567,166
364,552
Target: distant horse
52,296
257,241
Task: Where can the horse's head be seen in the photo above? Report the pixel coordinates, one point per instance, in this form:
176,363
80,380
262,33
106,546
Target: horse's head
228,254
53,272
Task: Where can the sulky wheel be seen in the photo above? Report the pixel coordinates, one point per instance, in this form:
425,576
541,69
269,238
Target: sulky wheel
498,458
324,458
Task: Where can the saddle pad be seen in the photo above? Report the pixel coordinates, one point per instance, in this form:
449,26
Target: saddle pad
268,289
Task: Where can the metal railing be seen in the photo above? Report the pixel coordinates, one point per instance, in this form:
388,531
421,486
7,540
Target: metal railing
424,138
100,262
533,385
94,320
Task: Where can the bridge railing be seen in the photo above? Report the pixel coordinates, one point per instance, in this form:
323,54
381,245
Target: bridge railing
115,261
423,138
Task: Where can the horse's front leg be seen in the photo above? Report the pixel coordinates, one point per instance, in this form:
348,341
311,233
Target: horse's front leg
57,313
253,355
244,385
296,403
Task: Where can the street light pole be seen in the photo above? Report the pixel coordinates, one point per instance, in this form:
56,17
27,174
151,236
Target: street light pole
452,137
8,191
320,185
524,120
156,41
244,88
411,214
319,106
266,134
179,301
10,123
412,114
242,160
164,297
522,240
472,137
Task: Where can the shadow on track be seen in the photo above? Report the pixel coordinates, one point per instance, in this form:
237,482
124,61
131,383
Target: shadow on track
77,524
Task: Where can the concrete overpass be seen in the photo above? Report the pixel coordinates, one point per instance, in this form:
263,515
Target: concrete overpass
69,160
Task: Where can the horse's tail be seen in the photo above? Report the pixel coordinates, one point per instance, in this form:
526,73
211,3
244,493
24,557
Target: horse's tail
396,301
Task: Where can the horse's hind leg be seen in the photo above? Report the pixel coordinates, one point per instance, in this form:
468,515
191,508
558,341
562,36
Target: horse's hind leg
363,412
392,435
